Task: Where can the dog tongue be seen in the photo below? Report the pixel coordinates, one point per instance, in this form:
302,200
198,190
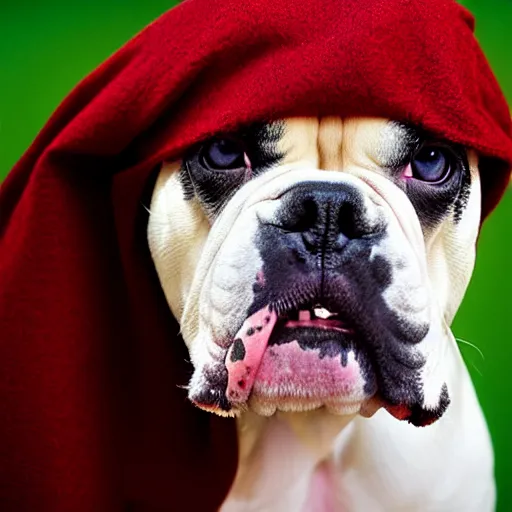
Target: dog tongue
245,354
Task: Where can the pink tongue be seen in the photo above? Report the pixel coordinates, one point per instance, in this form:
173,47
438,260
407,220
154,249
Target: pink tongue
244,356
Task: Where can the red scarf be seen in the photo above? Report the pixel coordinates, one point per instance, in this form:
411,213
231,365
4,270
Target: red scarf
93,417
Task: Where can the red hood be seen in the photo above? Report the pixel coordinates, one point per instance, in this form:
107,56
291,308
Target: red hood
93,415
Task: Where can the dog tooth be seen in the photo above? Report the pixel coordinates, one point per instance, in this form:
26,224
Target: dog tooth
322,313
304,315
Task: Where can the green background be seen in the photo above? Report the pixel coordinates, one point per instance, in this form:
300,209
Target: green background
46,47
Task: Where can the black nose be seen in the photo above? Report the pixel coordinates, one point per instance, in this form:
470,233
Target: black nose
326,215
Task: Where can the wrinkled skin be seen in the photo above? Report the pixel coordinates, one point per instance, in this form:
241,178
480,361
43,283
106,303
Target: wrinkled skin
315,266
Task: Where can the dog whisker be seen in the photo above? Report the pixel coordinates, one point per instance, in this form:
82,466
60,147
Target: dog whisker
472,345
465,342
476,369
165,219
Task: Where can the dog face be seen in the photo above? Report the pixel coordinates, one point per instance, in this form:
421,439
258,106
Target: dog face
318,263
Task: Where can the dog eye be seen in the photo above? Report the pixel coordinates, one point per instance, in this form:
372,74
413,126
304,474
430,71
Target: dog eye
223,154
432,164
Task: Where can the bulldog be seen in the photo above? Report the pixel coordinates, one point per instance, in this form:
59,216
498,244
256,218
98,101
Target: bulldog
315,266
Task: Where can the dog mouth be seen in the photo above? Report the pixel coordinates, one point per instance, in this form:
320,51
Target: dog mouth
316,317
316,328
319,355
299,359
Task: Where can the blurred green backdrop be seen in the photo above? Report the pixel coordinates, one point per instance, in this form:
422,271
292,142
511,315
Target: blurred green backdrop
47,46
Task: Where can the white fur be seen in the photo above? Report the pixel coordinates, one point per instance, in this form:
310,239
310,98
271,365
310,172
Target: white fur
372,464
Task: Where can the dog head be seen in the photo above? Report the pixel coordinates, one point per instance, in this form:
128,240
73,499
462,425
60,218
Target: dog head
318,263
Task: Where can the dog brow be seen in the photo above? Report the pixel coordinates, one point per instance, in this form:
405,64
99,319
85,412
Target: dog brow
397,143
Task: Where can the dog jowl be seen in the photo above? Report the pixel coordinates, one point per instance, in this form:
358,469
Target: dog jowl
317,264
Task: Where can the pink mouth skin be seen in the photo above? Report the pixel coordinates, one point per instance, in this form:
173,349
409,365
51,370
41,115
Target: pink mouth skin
288,367
245,354
249,359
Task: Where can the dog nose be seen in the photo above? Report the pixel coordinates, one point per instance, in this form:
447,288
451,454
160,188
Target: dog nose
326,215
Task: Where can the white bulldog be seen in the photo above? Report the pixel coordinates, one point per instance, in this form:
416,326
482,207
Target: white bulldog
315,267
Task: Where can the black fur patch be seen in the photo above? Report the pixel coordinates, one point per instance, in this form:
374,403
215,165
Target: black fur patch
215,188
238,352
214,393
422,417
